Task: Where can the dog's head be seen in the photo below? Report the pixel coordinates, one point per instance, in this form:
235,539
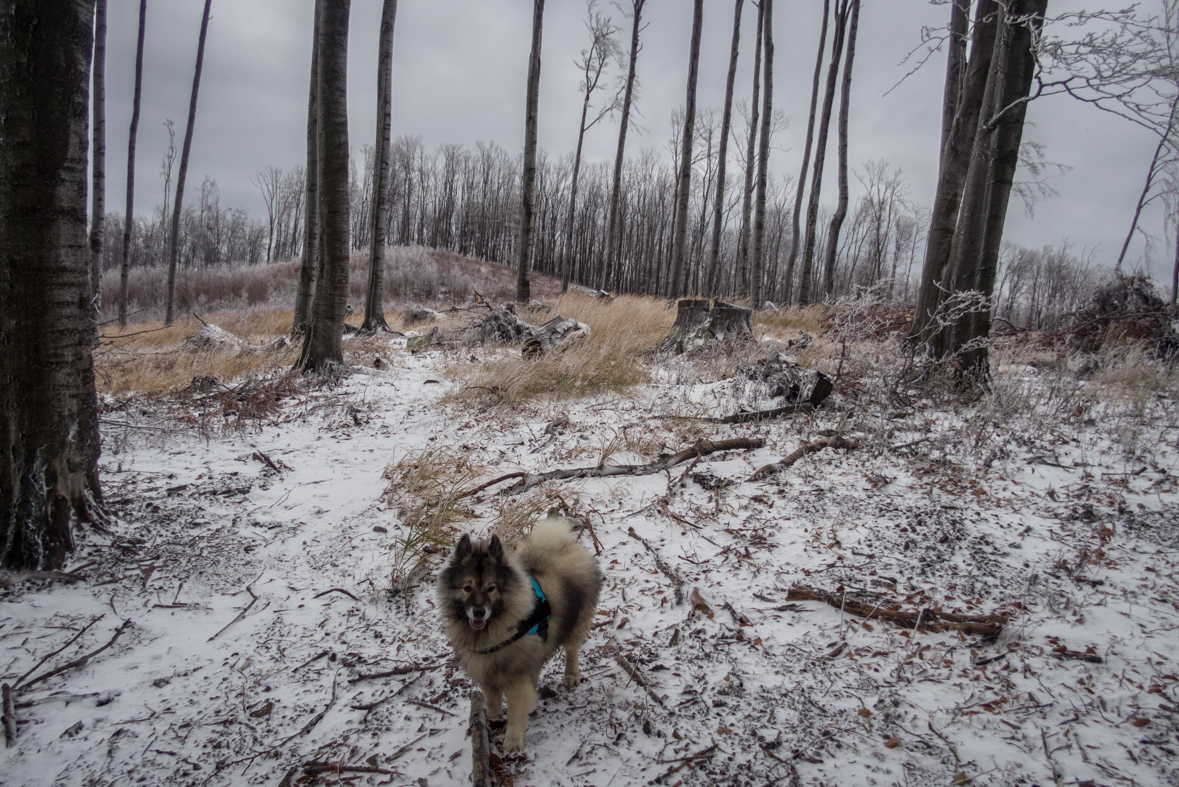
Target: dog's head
476,581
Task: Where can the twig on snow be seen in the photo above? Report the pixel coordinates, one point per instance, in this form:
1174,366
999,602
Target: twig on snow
242,614
676,580
336,590
395,671
80,661
637,677
73,639
800,452
925,619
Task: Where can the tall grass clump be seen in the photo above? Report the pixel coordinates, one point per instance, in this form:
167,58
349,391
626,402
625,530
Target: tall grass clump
609,360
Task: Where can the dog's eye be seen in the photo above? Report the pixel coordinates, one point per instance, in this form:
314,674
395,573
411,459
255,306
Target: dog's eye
491,588
467,588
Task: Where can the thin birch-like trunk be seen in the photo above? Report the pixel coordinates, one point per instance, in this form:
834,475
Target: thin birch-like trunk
841,206
129,212
718,211
680,240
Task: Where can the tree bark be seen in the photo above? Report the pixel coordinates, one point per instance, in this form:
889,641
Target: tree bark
800,192
1020,29
49,441
812,208
679,248
309,264
374,310
322,344
129,212
174,237
763,160
742,272
955,67
952,174
613,236
98,159
528,182
841,206
718,211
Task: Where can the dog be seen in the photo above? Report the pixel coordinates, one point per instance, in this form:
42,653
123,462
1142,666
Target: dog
507,611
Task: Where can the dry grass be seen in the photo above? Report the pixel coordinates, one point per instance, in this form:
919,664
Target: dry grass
518,515
427,488
608,360
787,322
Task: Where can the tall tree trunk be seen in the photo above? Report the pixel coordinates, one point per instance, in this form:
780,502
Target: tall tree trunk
955,67
567,252
763,161
309,264
322,344
718,210
528,182
975,263
742,271
174,236
129,212
952,175
680,241
49,441
374,310
613,236
841,206
812,208
800,192
98,160
1175,270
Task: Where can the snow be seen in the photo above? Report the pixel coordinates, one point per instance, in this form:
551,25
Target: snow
1063,518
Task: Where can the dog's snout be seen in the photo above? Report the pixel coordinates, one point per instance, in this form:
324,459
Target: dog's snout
478,613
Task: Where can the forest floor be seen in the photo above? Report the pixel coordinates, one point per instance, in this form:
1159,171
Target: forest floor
269,555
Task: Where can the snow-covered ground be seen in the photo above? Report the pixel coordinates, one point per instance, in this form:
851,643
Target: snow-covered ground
255,568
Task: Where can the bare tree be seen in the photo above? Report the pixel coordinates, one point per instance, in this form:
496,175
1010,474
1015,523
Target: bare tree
610,260
800,192
49,440
844,100
680,241
322,343
763,159
743,242
374,309
592,63
718,211
269,182
174,238
812,211
98,160
129,212
528,181
309,264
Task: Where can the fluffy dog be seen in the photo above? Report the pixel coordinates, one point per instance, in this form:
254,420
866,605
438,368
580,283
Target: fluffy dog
507,611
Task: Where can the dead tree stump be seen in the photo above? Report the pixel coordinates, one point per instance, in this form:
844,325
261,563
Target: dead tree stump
699,321
554,333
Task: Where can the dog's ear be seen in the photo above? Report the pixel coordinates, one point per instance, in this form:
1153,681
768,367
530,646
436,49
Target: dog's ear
463,548
495,548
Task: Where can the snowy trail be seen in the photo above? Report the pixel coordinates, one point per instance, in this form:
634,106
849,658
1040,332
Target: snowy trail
1077,545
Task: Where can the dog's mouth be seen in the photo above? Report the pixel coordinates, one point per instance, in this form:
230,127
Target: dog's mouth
477,623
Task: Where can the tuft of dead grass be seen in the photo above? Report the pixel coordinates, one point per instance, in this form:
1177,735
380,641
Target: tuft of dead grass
518,515
608,360
787,322
427,488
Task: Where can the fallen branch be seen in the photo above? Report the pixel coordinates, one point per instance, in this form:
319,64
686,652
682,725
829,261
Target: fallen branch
336,590
242,614
925,619
421,704
395,671
699,449
9,718
676,580
319,716
73,639
637,677
480,742
314,768
805,408
79,661
681,763
800,452
312,660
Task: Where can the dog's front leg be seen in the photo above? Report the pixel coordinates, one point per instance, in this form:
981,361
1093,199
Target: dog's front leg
495,702
522,700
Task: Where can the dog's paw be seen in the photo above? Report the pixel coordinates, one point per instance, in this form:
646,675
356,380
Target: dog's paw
513,741
572,679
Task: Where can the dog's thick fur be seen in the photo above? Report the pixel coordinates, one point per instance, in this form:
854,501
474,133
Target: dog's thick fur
484,593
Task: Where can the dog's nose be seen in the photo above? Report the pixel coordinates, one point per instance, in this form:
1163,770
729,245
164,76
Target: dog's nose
478,613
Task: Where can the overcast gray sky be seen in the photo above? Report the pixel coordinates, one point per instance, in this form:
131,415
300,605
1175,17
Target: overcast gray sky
459,76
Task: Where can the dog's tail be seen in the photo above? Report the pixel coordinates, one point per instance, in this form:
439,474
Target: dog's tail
552,535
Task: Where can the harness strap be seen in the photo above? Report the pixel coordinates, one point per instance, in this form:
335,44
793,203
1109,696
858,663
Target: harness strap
536,623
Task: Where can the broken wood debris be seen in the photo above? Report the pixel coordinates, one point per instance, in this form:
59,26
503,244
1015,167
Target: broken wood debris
395,671
315,768
78,662
838,442
925,619
242,614
72,640
480,742
700,448
9,717
676,580
638,678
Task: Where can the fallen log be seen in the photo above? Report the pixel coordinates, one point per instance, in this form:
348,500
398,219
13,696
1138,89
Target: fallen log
800,452
924,619
700,448
480,742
